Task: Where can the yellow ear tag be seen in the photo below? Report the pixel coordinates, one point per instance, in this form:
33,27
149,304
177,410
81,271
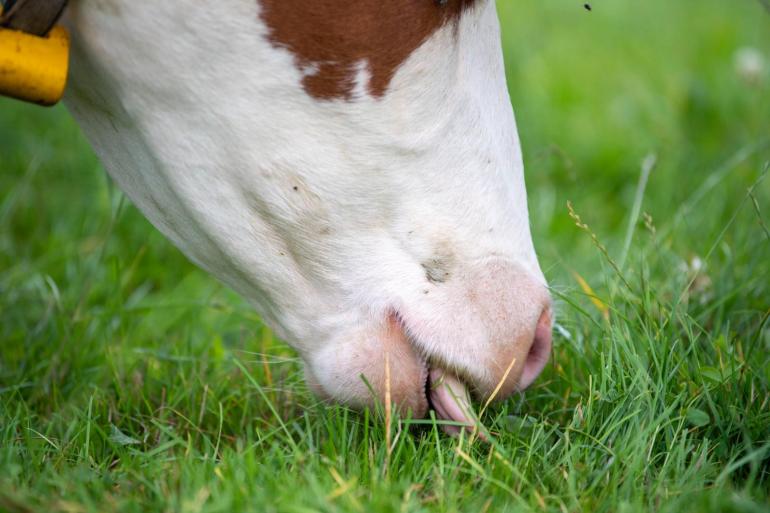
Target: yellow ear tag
32,68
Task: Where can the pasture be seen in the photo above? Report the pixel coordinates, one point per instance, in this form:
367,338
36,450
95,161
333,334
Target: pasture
131,381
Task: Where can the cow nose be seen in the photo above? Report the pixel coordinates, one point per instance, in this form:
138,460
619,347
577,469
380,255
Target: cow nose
489,324
539,351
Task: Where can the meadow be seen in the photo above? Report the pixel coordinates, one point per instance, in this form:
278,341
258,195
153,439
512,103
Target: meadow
131,381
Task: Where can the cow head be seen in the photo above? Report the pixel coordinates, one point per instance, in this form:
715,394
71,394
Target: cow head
352,168
431,245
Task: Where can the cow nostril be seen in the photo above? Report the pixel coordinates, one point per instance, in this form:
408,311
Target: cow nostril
539,351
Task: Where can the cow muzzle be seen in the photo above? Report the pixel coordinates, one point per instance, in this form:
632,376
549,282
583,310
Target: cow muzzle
483,334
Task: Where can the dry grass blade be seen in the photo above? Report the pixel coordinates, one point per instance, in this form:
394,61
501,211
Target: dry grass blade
498,387
598,303
477,427
388,414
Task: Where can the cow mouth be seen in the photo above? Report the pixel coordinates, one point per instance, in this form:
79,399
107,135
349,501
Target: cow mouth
445,393
449,397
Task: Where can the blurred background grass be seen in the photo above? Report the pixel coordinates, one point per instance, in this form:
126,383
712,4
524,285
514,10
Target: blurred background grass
594,92
94,303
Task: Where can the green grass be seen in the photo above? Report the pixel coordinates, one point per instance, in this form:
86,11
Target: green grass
131,381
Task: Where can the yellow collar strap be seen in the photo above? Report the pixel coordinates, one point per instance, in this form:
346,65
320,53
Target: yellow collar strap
34,57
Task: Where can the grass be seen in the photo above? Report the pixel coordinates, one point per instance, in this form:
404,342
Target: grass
130,381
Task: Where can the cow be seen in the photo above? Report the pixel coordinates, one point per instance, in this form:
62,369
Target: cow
351,168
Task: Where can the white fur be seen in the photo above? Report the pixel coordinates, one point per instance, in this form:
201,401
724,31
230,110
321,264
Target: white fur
205,126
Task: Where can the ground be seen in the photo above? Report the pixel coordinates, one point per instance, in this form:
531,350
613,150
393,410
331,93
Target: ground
131,381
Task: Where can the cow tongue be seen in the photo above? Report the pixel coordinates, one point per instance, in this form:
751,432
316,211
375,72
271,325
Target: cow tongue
450,398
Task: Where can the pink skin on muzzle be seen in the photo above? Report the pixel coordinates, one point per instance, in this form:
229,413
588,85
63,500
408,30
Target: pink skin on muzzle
450,397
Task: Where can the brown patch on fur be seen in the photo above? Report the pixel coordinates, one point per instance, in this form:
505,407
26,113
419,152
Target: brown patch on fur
329,38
